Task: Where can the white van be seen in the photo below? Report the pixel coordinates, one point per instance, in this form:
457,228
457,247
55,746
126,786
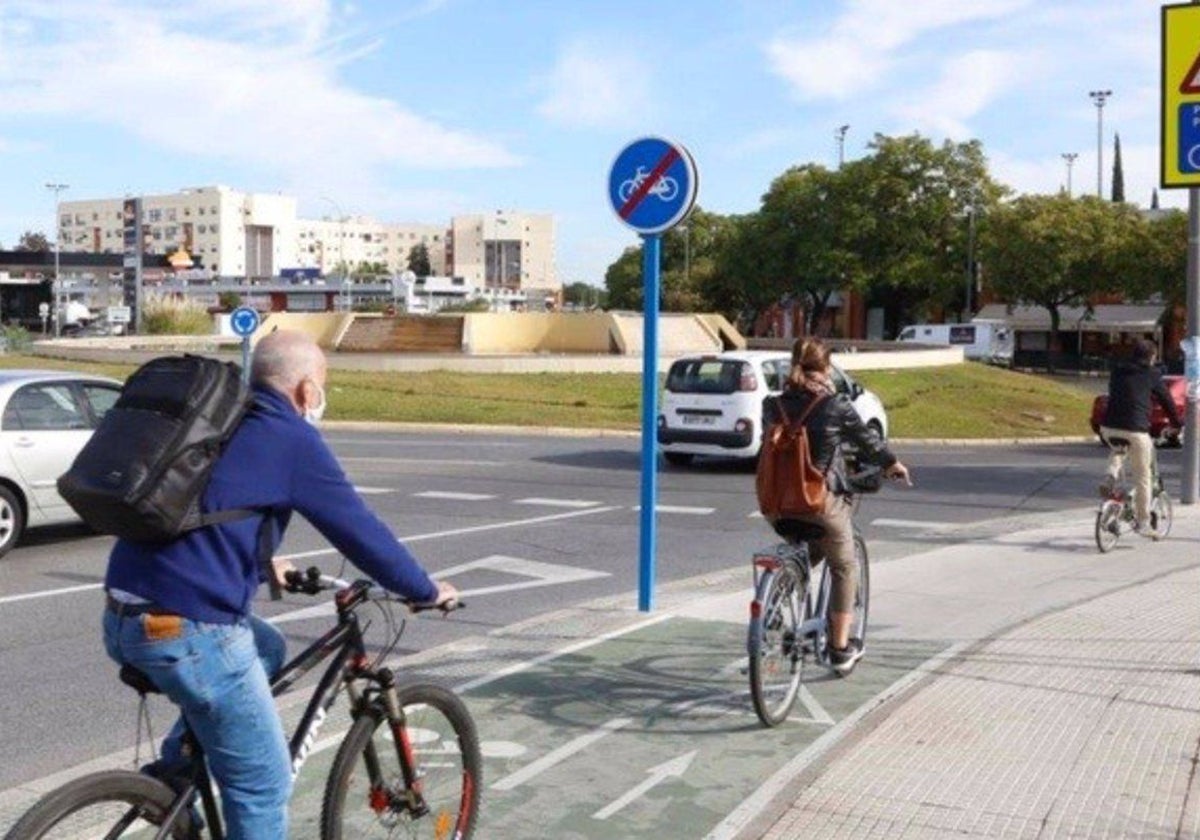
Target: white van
985,342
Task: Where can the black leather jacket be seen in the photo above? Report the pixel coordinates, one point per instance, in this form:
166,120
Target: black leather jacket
1131,386
831,426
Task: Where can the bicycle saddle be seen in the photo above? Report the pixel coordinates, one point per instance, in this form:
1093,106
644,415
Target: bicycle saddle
137,680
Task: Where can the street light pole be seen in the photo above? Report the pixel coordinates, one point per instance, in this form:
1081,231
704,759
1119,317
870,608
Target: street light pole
840,134
56,189
1069,157
1099,97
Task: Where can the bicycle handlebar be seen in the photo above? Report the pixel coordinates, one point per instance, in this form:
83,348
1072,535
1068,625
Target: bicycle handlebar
312,582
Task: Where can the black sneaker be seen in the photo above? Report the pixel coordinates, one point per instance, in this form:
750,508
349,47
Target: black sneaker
844,659
177,776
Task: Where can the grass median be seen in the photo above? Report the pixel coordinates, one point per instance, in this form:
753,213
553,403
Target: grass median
956,401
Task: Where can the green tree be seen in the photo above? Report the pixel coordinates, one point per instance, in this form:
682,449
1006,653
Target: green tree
916,196
33,241
623,280
1155,262
418,260
1118,173
1054,251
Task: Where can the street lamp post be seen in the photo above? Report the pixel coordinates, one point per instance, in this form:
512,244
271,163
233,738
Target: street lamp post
840,134
1069,157
56,189
1099,97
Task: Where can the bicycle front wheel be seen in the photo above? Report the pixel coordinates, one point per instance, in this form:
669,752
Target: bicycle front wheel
1108,525
1162,514
111,804
368,794
774,645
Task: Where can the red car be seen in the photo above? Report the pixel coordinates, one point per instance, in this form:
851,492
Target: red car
1159,425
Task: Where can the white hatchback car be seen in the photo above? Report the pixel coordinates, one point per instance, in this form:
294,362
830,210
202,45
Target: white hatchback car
45,419
713,403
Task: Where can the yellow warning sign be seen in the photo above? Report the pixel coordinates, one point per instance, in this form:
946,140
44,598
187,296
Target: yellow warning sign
1180,152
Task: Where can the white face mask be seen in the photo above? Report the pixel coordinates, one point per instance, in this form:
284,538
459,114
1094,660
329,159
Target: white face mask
314,415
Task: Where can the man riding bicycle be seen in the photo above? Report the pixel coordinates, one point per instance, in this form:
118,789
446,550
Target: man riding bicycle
181,612
1126,427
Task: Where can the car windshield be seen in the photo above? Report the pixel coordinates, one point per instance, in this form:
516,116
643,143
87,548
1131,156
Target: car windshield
704,376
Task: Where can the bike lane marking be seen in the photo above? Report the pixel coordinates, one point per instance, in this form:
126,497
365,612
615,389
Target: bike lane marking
653,178
559,755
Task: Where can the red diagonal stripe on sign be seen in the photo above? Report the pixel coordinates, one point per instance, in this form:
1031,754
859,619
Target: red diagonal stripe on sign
655,174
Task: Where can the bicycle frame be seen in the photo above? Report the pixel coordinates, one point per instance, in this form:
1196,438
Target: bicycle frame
344,643
816,602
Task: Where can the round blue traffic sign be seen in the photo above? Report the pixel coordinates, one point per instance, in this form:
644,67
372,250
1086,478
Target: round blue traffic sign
244,321
652,185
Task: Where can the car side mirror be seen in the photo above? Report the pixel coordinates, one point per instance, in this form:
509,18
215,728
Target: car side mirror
856,391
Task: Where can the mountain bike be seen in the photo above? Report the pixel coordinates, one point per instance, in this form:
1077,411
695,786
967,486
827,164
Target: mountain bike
409,766
1116,514
789,616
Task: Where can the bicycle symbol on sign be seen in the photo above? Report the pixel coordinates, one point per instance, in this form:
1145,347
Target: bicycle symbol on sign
665,188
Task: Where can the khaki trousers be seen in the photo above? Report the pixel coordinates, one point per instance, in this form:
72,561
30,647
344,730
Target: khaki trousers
1141,453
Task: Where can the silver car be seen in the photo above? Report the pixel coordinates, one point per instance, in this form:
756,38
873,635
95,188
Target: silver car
45,419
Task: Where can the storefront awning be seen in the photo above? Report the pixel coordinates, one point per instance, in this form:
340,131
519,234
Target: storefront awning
1140,318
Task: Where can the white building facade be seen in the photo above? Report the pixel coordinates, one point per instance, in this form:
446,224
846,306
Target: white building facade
258,235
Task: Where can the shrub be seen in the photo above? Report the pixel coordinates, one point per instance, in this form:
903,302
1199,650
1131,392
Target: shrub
165,315
16,338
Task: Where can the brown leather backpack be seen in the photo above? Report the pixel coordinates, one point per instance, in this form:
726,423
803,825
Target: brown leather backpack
788,483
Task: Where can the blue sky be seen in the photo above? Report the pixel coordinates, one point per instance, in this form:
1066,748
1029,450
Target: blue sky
415,110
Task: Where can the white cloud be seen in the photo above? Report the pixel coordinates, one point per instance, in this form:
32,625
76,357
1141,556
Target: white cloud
860,47
252,81
596,87
968,84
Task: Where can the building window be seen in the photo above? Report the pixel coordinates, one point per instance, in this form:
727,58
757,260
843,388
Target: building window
65,221
95,217
170,214
212,228
155,215
214,210
200,211
201,228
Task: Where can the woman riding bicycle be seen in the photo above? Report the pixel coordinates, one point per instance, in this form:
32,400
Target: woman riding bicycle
833,426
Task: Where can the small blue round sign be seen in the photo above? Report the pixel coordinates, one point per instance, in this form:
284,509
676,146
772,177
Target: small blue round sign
653,184
244,321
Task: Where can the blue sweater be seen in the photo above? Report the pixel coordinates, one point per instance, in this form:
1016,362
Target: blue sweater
277,462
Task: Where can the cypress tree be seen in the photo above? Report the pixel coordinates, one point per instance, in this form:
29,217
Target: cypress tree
1154,199
1118,173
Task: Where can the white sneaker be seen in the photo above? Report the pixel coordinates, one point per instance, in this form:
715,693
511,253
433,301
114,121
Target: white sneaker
844,660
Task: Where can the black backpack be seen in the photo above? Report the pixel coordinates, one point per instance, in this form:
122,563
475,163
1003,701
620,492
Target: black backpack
141,475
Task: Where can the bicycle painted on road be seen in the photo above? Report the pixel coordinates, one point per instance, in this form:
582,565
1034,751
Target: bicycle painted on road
409,766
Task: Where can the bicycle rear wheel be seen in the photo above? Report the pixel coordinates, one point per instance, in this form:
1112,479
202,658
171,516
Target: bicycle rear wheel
774,643
111,804
367,795
1108,525
1162,514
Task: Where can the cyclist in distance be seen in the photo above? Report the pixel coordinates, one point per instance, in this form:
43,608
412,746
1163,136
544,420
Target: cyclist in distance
1132,384
831,426
181,611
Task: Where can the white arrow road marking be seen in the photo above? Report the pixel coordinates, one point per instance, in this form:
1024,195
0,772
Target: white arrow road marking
542,574
564,752
675,767
447,494
563,503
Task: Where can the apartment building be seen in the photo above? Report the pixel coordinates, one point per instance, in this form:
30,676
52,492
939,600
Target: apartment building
235,234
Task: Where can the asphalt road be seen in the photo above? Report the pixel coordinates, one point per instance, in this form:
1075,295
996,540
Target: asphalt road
524,525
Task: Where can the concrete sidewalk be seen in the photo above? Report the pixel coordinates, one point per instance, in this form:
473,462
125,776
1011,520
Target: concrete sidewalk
1083,722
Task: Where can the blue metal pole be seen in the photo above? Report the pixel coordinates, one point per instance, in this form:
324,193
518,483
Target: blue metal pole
650,263
246,359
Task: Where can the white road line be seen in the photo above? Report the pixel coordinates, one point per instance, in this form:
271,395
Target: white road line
449,494
450,461
431,443
557,756
691,511
564,503
913,523
374,491
28,596
301,555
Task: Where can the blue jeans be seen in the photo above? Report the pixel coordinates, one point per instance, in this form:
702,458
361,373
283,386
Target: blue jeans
217,675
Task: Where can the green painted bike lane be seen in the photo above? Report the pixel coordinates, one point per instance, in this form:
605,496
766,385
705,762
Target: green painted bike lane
650,734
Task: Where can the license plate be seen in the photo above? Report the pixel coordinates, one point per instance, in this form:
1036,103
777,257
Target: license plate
698,419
